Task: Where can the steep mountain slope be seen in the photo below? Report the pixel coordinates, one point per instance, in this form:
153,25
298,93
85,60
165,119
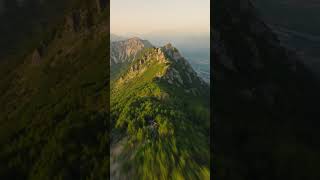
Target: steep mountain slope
126,50
21,29
54,101
160,119
265,101
123,52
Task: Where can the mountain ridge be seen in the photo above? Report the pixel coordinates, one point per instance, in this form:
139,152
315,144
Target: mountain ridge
155,103
171,57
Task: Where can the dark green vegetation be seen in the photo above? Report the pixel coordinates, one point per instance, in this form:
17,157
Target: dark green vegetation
159,131
266,103
54,99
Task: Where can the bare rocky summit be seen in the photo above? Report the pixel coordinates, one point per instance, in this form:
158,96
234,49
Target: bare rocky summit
126,50
170,66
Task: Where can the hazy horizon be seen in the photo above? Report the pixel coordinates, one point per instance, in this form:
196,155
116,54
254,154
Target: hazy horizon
139,17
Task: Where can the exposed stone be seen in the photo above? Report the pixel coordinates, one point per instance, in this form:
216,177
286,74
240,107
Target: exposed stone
177,76
69,24
189,78
165,55
126,50
36,57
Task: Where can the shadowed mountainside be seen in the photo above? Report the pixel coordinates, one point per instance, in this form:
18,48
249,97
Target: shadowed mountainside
54,99
265,101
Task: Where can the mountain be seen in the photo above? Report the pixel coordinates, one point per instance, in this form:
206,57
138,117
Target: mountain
123,52
54,97
126,50
266,120
160,117
114,37
195,47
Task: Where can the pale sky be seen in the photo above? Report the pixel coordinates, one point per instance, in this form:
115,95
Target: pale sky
152,16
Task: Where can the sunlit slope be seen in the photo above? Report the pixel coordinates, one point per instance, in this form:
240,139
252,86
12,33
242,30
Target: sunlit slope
160,119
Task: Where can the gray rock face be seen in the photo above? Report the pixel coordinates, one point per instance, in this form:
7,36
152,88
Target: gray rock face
176,70
180,72
126,50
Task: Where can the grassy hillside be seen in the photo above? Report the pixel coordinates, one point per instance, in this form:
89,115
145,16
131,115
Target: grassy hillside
158,130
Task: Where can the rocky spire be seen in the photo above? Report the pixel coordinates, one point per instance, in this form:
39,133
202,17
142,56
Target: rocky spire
36,57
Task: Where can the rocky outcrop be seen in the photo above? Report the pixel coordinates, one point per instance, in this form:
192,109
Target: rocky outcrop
38,53
180,72
36,57
126,50
176,70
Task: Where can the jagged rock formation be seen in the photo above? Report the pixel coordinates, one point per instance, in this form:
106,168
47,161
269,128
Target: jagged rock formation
175,69
126,51
264,100
36,57
180,72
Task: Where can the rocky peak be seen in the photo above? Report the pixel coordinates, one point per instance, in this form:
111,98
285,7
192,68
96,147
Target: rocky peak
126,50
176,72
180,73
36,57
172,52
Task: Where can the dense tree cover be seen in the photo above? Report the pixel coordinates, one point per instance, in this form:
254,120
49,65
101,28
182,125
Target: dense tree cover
165,130
54,118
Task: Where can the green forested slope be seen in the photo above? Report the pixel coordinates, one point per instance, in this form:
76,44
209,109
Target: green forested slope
160,130
54,119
